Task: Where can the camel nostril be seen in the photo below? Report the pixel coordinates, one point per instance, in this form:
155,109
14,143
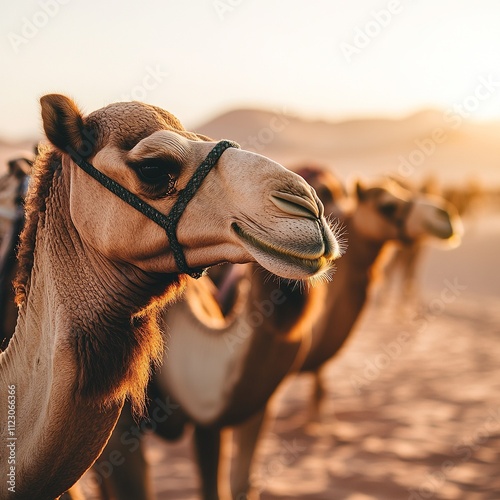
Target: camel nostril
301,206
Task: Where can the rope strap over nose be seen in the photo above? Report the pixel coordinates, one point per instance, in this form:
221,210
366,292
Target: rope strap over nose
167,222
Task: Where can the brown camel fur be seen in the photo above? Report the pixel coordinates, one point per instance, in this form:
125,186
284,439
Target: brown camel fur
94,271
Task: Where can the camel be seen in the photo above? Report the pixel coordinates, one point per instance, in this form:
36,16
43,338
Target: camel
240,359
405,258
95,265
13,188
383,214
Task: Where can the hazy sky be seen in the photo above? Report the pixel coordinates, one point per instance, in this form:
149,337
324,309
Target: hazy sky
324,58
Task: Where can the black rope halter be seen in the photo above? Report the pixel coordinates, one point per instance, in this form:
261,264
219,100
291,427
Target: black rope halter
167,222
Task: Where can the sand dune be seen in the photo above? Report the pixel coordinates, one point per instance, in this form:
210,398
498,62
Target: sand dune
430,141
427,142
411,145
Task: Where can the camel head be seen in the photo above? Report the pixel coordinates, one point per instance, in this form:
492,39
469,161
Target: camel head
11,191
248,208
388,211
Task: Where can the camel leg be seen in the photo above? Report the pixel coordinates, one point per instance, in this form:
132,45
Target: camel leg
318,397
245,439
130,480
122,469
207,444
410,290
319,426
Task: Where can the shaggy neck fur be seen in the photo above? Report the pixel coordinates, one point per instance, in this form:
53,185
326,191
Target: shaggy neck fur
85,338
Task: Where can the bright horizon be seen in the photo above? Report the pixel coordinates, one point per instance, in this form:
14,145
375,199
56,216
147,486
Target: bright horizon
200,58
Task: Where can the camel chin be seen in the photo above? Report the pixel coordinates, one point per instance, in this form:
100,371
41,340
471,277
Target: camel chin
446,241
288,265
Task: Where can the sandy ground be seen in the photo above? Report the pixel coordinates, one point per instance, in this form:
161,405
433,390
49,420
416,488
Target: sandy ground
413,405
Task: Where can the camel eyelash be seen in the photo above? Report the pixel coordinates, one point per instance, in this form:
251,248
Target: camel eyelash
158,176
162,190
150,169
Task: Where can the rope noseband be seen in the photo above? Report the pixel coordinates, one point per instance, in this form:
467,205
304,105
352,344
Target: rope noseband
167,222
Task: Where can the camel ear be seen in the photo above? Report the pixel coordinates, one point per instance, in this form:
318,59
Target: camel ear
63,123
360,191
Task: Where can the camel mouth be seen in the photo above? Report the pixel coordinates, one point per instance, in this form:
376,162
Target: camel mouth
310,266
450,235
446,228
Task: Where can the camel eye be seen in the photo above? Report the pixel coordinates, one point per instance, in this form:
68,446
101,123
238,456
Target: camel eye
388,209
158,176
151,172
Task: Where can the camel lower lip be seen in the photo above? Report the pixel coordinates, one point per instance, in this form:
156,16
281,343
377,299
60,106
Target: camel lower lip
312,266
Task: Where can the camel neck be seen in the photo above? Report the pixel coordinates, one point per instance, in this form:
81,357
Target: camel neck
354,272
274,335
83,341
361,254
345,297
290,307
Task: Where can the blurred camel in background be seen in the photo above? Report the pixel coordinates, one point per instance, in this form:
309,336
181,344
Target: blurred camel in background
381,214
220,369
399,274
13,187
11,191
